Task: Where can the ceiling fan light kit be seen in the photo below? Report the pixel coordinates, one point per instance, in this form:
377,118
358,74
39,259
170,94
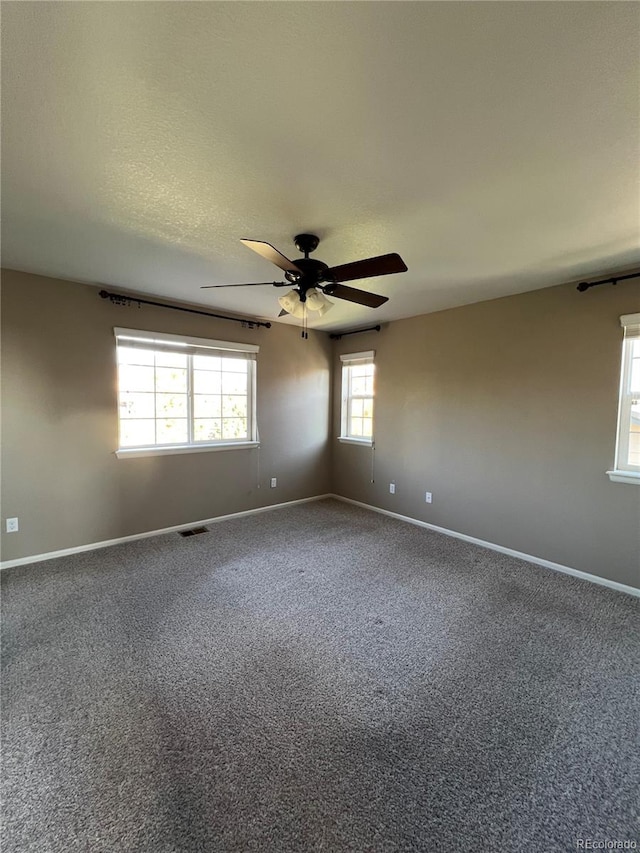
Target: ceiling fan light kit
312,281
290,304
315,300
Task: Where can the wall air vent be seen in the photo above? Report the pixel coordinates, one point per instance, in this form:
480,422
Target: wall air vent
194,531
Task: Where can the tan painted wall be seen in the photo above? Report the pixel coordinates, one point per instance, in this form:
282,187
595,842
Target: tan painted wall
506,411
59,423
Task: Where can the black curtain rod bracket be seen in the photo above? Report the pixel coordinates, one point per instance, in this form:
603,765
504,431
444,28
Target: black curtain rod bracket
585,285
123,299
338,335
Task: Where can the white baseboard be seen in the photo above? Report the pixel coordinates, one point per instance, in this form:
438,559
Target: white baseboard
529,558
538,561
38,558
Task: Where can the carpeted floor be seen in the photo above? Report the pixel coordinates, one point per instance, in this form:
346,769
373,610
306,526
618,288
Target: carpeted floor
317,678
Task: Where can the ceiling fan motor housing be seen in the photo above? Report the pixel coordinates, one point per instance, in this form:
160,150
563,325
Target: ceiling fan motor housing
312,275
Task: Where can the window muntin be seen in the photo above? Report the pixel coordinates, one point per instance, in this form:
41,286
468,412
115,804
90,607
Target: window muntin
358,375
184,392
628,438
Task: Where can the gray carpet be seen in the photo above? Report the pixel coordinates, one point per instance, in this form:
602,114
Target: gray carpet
317,678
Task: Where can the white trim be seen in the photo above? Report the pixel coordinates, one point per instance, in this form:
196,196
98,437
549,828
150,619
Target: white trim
94,546
349,362
632,477
626,398
168,450
538,561
628,321
351,357
154,341
365,442
157,337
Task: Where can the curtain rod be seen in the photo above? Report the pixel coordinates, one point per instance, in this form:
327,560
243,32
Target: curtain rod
585,285
123,299
339,335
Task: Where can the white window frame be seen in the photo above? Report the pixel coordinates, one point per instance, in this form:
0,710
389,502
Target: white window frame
624,472
190,346
350,360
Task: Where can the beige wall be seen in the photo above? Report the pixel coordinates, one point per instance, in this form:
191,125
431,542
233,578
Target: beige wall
506,411
59,423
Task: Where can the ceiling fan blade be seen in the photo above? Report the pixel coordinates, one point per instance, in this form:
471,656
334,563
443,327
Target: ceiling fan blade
382,265
351,294
249,284
271,254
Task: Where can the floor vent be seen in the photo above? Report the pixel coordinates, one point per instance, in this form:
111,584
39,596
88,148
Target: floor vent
194,531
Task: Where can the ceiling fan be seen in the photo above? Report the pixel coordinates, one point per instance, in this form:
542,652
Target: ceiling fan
310,280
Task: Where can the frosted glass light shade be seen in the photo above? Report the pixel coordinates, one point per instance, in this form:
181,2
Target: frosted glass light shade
290,302
317,301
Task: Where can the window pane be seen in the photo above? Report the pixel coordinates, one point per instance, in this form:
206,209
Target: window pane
358,386
367,427
234,407
207,382
234,383
360,370
356,427
137,433
171,359
206,362
367,408
134,378
171,406
134,405
160,391
368,386
207,406
129,355
207,429
234,365
171,379
356,408
634,434
171,431
234,428
635,374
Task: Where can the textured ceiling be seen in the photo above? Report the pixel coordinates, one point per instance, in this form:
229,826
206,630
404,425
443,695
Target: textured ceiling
495,146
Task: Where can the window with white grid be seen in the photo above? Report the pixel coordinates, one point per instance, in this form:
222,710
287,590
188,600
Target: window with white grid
177,394
357,397
627,467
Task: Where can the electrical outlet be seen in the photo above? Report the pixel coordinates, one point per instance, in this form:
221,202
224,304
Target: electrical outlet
12,525
428,497
274,482
392,488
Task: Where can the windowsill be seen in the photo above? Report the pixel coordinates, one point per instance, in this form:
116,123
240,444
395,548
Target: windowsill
624,477
364,442
129,453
